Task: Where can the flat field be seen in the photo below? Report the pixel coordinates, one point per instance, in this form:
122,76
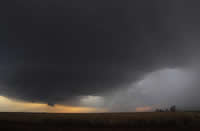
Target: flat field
100,121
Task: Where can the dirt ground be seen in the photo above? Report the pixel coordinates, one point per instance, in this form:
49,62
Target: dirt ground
155,121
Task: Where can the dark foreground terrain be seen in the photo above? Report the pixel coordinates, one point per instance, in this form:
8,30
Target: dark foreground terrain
165,121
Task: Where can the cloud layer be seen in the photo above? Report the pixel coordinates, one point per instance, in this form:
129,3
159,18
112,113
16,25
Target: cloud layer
60,51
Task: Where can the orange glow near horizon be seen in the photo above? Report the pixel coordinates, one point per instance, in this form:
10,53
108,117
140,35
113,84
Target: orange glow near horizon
144,109
9,105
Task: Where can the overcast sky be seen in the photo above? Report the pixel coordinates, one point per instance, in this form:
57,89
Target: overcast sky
118,55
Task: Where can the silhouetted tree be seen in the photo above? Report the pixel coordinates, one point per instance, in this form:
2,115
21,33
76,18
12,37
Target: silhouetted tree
173,108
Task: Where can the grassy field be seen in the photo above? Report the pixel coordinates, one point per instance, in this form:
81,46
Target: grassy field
101,121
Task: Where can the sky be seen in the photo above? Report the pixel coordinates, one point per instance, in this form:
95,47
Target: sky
99,55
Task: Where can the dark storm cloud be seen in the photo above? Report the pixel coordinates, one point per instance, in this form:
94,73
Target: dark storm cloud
56,50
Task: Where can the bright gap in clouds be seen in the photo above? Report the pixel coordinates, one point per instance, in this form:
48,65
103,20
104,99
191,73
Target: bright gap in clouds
94,101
